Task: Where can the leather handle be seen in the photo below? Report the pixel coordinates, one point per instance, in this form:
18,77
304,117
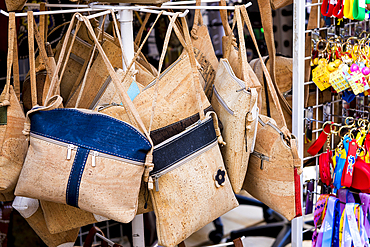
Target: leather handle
267,75
31,50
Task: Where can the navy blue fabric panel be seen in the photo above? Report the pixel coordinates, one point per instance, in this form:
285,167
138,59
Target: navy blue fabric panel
93,131
74,180
183,146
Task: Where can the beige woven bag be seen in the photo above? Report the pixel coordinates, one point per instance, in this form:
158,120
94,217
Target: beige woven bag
191,184
274,166
235,103
81,178
13,144
31,211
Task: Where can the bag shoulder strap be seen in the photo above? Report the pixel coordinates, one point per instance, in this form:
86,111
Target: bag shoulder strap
266,18
31,49
223,14
198,20
268,78
9,62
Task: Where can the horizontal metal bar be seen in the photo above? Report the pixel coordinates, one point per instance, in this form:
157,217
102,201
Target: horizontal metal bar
99,14
312,4
188,2
53,12
58,5
308,83
307,58
200,7
139,8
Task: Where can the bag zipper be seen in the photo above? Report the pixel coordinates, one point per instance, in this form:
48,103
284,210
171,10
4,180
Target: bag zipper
262,157
222,102
100,93
180,163
231,72
93,153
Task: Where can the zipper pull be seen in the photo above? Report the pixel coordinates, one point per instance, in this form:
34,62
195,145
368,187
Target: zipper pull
69,151
156,183
93,158
261,167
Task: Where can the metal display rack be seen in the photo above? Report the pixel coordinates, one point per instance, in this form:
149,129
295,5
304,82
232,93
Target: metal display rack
323,110
125,18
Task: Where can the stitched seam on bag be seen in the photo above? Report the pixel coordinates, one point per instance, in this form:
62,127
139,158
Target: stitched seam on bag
80,176
184,157
85,146
108,117
70,177
187,133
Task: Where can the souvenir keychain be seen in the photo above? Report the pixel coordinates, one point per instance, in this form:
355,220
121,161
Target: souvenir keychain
320,75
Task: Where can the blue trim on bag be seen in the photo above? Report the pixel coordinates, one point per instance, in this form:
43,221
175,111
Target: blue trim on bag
74,180
183,146
93,131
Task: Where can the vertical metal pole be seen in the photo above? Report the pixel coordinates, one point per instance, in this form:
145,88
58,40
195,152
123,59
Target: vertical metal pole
127,35
299,17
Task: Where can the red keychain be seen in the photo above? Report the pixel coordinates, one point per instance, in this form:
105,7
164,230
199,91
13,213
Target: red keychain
325,164
347,175
325,10
338,9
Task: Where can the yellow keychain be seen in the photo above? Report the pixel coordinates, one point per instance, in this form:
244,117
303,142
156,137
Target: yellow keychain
321,75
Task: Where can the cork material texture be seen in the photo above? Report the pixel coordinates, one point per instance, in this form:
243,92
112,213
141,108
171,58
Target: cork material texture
37,222
97,76
274,183
14,145
79,54
189,199
205,55
277,4
61,217
242,71
239,125
176,96
284,79
109,189
13,5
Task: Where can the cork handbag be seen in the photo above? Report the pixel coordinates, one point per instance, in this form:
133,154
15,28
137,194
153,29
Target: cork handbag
237,56
274,166
13,144
204,52
191,186
30,210
78,174
235,103
177,102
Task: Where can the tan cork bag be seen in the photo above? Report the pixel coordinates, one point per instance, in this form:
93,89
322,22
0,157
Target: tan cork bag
190,192
235,103
274,166
237,56
122,177
204,52
13,144
30,210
